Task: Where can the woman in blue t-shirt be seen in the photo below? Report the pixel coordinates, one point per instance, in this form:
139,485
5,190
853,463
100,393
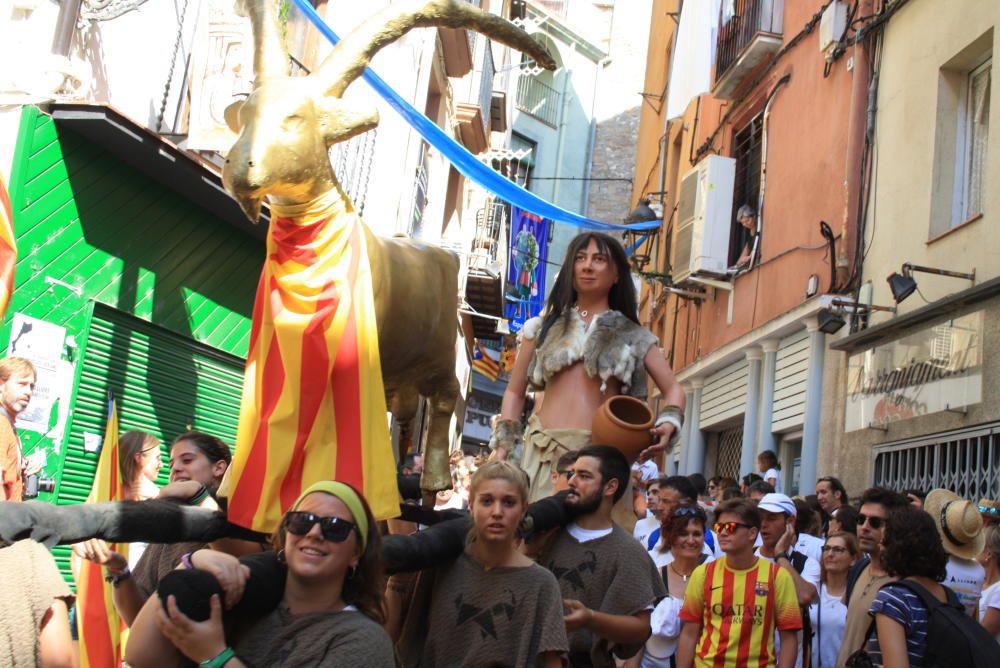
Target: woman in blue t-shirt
911,550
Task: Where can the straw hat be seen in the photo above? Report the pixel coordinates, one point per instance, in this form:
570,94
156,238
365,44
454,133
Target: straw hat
958,521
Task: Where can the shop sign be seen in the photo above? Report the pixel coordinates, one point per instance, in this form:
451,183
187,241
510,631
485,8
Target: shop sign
479,415
935,369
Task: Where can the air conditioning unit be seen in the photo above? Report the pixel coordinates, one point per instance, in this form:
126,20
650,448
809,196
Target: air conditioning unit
704,217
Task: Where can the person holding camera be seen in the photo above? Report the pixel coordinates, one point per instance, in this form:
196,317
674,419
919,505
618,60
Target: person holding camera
17,384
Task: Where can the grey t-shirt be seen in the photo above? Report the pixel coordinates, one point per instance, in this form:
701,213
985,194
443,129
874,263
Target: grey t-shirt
611,574
345,638
156,561
464,615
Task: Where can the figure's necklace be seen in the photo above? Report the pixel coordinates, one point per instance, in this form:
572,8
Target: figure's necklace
584,313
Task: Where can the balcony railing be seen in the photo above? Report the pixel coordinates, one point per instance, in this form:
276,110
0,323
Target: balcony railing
752,32
537,99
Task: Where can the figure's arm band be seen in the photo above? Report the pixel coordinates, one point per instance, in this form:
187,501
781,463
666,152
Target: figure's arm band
674,415
505,434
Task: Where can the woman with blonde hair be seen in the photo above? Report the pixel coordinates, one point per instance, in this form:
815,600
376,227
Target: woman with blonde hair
139,463
491,601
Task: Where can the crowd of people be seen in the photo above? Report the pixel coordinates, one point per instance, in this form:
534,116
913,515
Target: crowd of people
565,554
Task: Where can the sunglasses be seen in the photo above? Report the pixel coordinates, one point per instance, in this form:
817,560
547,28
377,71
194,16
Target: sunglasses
989,510
684,512
335,529
729,527
836,549
874,522
568,474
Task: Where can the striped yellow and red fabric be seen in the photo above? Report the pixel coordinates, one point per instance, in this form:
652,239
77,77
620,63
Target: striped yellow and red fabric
8,249
483,362
102,633
313,405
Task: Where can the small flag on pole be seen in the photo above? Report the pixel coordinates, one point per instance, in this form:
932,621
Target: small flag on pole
8,249
102,634
484,362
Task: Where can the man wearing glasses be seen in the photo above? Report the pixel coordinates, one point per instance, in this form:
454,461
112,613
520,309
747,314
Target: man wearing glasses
733,606
868,574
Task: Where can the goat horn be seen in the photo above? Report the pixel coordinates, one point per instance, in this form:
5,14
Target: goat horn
269,58
352,55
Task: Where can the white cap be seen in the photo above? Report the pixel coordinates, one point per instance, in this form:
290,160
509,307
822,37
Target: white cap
777,503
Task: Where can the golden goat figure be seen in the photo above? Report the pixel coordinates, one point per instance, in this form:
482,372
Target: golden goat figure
286,127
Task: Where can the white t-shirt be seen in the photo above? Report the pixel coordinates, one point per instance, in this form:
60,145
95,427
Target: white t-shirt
811,546
647,470
776,474
583,535
990,599
965,577
643,528
812,574
829,617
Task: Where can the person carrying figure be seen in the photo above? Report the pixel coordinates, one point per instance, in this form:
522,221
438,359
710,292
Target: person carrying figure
586,347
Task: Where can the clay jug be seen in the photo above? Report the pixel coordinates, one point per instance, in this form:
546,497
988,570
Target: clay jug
623,422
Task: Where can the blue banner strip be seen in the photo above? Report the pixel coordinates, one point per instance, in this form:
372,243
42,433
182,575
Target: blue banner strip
466,163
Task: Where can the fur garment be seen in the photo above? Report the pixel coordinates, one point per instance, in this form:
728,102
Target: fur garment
612,347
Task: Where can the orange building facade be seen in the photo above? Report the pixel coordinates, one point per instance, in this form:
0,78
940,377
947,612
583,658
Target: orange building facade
776,123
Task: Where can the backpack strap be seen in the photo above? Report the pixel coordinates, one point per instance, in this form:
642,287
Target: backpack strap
929,600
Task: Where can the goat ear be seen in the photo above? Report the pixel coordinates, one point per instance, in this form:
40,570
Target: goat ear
232,115
340,120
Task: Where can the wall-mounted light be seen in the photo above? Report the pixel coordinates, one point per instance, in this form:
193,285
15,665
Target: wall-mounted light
903,285
830,321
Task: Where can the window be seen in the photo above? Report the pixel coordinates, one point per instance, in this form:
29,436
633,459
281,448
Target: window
961,136
746,185
973,133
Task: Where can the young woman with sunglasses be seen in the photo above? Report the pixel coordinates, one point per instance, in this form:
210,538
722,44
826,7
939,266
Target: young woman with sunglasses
829,613
684,533
492,604
331,611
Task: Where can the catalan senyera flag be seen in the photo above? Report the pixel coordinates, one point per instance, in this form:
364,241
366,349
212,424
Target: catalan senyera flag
102,633
8,248
313,405
483,362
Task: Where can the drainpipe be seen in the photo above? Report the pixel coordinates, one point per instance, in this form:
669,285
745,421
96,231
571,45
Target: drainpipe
561,132
856,122
62,40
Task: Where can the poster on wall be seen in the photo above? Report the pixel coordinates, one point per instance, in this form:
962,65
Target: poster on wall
933,369
221,73
42,343
529,253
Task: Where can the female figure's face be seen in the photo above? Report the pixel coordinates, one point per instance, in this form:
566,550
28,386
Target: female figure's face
497,511
314,557
749,223
188,462
594,271
836,557
690,542
761,465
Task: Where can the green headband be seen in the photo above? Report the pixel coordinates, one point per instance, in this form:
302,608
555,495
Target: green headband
350,498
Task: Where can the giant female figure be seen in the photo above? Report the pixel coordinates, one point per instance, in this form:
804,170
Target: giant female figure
586,347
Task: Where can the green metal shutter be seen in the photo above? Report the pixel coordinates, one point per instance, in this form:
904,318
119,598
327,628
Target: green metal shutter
165,384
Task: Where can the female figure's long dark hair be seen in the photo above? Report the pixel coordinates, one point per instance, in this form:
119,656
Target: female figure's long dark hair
563,297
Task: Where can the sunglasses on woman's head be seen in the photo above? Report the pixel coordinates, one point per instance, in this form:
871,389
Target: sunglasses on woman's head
684,512
335,529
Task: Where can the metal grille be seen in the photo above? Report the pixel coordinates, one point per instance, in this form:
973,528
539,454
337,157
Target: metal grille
746,183
966,462
420,193
352,164
727,461
538,99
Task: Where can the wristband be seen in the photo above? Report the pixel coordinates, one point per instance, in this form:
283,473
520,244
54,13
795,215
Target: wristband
220,659
116,578
505,434
672,414
186,561
199,496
